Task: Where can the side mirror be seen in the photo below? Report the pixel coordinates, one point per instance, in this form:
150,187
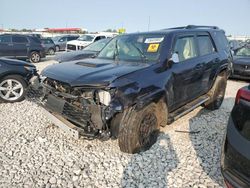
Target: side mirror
175,58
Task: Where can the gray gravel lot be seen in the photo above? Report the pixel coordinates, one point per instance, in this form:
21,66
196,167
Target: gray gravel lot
34,153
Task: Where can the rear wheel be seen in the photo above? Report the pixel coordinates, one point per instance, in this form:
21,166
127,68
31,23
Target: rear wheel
35,57
138,129
217,93
12,88
51,51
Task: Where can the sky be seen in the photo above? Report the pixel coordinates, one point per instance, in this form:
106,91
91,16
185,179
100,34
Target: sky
134,15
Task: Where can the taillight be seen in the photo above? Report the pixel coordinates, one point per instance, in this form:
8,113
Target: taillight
228,184
242,94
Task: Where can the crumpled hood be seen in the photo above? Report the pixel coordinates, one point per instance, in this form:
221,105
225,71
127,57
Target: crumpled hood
73,55
16,62
91,72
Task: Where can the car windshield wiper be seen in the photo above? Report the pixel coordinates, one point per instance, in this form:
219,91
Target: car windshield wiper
144,58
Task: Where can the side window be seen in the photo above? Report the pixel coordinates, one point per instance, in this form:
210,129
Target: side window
63,39
185,48
5,39
18,39
205,45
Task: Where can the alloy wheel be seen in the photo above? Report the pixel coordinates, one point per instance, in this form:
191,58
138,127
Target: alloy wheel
11,89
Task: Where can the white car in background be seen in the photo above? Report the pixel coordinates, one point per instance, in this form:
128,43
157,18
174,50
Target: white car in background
85,40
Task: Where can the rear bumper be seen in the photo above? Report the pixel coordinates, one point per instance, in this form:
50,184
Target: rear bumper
234,158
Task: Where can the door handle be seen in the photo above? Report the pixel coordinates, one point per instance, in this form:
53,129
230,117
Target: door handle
10,44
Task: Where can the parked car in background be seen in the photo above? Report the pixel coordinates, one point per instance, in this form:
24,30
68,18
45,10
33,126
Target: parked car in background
235,158
61,41
49,46
137,83
84,41
15,77
36,35
90,51
241,63
21,47
236,44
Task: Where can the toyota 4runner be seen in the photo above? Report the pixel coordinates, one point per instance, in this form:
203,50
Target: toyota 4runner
138,83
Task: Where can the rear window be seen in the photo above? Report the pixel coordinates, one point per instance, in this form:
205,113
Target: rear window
5,39
18,39
205,45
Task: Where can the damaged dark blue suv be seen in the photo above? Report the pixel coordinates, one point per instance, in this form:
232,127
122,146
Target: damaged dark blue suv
138,83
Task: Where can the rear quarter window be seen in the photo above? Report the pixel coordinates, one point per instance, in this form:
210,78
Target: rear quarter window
222,41
205,45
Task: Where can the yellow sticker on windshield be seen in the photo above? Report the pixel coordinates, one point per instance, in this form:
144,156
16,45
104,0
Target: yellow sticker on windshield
153,47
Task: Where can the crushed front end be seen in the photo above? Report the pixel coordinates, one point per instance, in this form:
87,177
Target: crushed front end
80,111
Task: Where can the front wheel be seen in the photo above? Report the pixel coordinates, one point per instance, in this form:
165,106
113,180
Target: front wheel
138,129
12,88
35,57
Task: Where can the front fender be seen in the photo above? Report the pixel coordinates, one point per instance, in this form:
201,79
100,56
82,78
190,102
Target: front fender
145,100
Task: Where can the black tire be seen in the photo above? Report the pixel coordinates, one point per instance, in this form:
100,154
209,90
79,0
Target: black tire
138,129
217,93
51,51
16,80
35,57
57,48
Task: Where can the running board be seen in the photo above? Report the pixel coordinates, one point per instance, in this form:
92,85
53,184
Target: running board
187,108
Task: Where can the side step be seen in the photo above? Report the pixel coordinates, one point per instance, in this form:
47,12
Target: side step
187,108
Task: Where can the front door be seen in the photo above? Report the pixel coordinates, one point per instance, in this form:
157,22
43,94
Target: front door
187,71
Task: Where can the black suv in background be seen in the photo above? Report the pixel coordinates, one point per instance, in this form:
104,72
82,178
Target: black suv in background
139,82
22,47
235,158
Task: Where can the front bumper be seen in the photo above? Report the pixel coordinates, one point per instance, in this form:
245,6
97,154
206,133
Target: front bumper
241,72
73,120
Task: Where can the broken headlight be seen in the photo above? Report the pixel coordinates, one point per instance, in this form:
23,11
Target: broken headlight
104,97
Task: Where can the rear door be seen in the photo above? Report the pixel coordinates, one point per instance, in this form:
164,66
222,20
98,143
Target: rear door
20,46
209,58
187,72
6,46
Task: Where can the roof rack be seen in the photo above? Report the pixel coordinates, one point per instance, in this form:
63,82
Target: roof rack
194,27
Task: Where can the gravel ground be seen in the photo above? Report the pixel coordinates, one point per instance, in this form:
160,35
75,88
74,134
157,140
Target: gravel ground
34,153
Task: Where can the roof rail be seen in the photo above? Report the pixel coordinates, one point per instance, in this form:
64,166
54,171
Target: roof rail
194,27
200,26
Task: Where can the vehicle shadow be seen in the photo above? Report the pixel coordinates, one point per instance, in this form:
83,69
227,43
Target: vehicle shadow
151,168
209,128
